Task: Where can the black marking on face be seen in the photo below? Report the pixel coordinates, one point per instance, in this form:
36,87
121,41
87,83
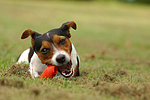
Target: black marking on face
48,36
58,32
38,42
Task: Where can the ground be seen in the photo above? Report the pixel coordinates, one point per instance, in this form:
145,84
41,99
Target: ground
112,40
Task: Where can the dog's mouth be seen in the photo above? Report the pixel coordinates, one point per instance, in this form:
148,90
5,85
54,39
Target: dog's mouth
66,70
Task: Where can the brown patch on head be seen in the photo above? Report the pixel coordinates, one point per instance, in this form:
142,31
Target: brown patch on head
45,44
46,52
31,33
62,43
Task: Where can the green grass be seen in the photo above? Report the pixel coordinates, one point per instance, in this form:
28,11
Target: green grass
116,34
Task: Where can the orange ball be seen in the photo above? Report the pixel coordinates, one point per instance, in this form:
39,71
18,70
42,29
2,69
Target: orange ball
49,72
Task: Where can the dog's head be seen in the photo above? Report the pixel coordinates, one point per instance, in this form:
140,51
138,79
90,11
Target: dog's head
54,47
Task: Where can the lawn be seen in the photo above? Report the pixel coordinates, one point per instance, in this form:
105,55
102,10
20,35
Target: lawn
112,40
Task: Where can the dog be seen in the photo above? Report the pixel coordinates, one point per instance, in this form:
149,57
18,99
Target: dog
51,48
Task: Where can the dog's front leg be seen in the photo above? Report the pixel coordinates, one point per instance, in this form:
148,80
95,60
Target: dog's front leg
36,67
32,71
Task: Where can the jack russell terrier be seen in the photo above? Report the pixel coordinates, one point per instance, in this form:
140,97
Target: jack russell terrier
51,48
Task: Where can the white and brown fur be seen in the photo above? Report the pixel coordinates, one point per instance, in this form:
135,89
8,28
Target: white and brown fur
51,48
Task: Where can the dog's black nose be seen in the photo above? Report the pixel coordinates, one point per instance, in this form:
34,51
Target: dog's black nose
60,58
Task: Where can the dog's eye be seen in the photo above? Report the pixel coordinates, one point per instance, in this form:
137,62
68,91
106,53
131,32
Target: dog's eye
45,50
61,42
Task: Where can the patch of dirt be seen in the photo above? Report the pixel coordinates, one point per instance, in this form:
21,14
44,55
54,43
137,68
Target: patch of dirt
105,78
84,73
36,92
121,72
11,83
124,90
19,70
109,78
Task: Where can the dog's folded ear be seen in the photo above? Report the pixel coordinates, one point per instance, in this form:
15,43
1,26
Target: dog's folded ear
66,26
29,32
